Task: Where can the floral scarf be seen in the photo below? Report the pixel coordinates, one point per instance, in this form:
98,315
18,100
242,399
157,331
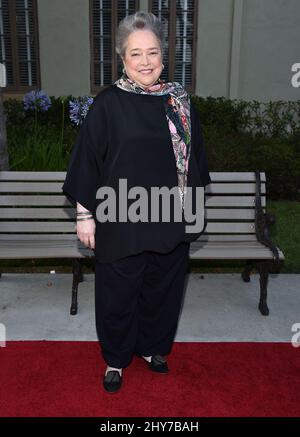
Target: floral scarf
177,108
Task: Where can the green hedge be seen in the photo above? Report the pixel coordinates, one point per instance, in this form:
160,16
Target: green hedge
239,136
247,136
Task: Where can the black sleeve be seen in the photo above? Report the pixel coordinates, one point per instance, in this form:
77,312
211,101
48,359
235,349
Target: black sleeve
86,160
199,146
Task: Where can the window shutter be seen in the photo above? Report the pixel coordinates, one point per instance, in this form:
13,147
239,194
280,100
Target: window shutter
19,45
161,10
102,41
180,20
5,43
26,43
125,7
105,16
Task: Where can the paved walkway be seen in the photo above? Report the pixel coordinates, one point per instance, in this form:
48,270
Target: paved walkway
217,307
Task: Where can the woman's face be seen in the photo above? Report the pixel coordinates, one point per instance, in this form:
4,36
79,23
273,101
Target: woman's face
143,58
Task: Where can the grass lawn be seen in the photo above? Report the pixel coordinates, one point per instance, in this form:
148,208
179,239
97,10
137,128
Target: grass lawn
285,234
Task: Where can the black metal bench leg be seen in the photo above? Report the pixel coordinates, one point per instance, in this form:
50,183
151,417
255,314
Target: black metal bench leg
263,268
247,270
77,277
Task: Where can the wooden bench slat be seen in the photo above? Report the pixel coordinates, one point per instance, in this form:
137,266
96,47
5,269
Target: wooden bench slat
67,247
232,253
67,213
69,226
232,201
60,248
226,227
232,188
38,226
45,252
60,175
56,187
222,244
231,248
61,200
31,238
32,175
235,176
204,237
227,238
34,200
31,187
230,214
37,213
42,242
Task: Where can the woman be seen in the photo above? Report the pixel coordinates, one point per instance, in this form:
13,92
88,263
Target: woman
144,132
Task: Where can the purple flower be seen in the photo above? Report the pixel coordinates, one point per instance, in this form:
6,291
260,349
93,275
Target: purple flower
36,100
79,108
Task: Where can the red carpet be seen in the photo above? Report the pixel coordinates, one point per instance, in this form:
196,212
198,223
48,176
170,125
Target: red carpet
206,379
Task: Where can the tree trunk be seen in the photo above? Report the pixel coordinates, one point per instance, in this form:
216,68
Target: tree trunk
4,160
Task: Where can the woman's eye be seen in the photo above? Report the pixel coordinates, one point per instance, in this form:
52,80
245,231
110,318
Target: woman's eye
137,54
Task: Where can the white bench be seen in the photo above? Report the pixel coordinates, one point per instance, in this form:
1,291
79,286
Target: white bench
38,221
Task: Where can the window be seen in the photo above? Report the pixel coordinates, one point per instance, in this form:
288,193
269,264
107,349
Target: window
104,18
180,21
19,44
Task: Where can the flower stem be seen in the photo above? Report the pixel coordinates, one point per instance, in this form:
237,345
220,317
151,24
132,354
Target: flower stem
62,123
35,126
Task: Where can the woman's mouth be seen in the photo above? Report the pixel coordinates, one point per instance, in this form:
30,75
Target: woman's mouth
145,71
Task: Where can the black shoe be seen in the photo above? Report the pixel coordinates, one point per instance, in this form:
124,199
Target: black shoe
112,381
158,364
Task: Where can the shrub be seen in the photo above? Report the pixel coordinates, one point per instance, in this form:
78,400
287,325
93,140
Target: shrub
239,136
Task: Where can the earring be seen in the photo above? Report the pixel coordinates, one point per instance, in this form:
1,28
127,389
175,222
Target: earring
124,71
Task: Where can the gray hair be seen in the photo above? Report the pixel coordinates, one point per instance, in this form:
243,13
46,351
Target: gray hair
138,21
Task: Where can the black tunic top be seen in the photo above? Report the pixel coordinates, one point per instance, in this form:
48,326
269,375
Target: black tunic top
126,135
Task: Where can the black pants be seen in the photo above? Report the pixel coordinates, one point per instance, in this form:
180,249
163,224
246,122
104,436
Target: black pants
138,301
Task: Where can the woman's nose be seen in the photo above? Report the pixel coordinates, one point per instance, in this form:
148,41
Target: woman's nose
145,59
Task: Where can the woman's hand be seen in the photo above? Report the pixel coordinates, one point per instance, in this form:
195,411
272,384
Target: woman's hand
85,228
86,232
